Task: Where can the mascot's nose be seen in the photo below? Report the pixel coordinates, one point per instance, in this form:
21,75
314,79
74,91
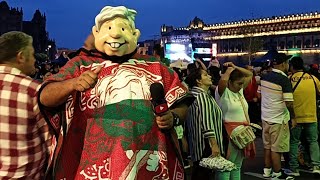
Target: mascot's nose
115,33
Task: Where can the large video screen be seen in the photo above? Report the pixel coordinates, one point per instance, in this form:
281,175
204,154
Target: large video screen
205,51
176,52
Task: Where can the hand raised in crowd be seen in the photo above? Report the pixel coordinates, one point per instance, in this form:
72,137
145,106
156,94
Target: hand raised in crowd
87,80
230,69
165,121
229,64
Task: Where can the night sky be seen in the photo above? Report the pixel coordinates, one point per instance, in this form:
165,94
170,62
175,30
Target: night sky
70,21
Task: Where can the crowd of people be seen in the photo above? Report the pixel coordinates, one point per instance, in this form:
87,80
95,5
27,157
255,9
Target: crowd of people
281,96
44,70
93,118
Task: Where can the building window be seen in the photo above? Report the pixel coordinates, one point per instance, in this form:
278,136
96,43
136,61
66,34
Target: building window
307,43
282,45
312,23
299,43
232,48
289,44
225,49
239,47
265,46
317,43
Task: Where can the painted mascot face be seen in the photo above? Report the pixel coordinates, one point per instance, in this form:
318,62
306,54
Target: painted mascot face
115,33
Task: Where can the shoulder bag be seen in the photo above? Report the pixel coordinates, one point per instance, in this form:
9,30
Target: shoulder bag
243,135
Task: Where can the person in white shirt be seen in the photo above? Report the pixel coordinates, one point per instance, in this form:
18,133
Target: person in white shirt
276,111
229,96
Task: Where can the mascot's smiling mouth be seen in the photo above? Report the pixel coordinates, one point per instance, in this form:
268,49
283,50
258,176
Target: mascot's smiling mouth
115,44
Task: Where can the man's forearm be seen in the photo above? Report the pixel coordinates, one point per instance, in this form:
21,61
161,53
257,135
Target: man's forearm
292,114
245,72
291,110
56,93
212,142
181,111
214,147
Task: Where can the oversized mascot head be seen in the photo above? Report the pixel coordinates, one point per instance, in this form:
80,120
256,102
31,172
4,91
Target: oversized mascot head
114,31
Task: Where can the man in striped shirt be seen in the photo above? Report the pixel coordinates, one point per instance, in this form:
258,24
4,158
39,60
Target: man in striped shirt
24,134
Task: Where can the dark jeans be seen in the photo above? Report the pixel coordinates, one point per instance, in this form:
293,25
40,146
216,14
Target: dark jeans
201,173
311,137
318,132
254,112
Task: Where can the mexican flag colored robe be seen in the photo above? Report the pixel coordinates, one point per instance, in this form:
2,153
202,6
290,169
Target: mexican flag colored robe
111,129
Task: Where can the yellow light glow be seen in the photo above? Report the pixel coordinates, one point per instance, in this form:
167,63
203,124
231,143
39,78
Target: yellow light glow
315,29
266,20
304,51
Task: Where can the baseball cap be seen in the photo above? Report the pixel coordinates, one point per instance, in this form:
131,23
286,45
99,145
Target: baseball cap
279,58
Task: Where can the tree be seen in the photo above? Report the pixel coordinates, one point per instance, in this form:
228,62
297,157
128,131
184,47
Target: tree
252,44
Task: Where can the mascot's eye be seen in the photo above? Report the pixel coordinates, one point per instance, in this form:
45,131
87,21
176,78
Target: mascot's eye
109,28
122,29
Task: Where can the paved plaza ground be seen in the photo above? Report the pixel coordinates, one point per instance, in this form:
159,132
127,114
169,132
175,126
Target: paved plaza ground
252,169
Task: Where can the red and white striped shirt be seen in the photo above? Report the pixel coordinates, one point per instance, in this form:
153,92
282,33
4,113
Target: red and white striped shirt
24,134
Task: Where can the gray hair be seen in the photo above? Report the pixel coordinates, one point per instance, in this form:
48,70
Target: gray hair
109,12
11,43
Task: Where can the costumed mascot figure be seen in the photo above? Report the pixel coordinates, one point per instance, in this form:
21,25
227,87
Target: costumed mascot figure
100,110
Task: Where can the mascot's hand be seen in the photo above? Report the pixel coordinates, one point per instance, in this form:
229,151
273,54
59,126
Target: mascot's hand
86,80
165,121
153,162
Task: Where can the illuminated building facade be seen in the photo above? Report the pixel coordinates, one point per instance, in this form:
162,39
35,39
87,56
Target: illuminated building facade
298,33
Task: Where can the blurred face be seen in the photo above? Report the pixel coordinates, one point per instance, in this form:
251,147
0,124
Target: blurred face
28,66
116,37
286,66
236,85
47,67
205,79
